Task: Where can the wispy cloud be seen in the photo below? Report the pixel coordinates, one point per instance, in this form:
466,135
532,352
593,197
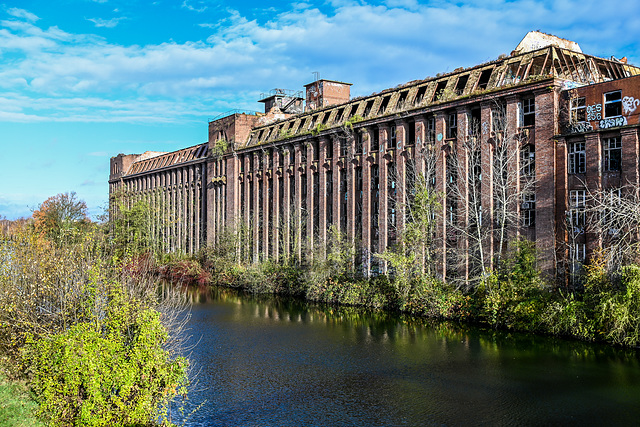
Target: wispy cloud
21,13
106,23
47,72
186,5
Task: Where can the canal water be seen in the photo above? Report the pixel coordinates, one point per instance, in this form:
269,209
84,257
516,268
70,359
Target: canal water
281,362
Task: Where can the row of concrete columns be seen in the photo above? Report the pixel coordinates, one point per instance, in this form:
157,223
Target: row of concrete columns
177,205
268,200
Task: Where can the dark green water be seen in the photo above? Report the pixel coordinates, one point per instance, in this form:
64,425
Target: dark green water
270,362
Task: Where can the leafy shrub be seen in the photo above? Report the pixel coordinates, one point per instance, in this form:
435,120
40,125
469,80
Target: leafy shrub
110,371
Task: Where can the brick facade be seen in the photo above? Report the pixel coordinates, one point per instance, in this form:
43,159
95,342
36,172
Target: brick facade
351,162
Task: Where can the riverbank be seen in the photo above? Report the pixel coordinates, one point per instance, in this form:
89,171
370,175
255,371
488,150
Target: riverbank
513,296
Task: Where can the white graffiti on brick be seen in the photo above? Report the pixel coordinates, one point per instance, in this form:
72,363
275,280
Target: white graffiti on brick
594,112
629,104
613,122
580,127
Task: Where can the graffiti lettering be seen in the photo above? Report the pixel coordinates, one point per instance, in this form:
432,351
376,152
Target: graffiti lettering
613,122
629,104
580,127
594,112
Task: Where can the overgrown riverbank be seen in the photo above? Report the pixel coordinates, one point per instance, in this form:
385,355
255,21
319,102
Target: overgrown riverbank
512,297
83,326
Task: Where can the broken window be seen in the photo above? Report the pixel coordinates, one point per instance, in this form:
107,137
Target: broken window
528,210
325,119
577,210
358,142
384,104
528,112
402,99
375,144
420,95
612,154
613,104
313,122
452,125
578,110
368,107
577,158
338,117
439,90
461,83
578,252
483,81
392,136
431,129
411,134
498,119
528,160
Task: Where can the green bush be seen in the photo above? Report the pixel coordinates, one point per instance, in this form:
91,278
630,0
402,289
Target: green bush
110,371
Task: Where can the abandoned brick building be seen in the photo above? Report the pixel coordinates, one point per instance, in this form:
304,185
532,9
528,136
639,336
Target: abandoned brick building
285,175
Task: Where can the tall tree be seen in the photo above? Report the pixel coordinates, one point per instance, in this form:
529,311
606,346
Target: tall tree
60,216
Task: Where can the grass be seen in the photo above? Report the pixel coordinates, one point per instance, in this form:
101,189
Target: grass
17,407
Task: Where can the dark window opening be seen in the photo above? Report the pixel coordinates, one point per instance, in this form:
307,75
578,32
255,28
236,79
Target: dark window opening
316,150
344,195
485,76
452,125
329,193
339,117
393,136
325,119
577,158
358,142
368,107
329,148
474,123
612,154
375,144
613,104
431,129
528,112
461,84
343,147
422,90
402,99
384,104
439,90
411,134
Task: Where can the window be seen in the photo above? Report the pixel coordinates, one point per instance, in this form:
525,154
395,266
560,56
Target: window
392,136
577,210
452,125
437,95
461,83
497,119
431,129
577,157
528,112
612,154
610,220
578,252
528,211
483,81
578,110
528,160
613,104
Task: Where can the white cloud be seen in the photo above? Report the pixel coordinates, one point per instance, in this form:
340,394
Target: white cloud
21,13
71,77
106,23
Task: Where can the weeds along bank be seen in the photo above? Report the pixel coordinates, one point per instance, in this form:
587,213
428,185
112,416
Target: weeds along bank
84,327
513,296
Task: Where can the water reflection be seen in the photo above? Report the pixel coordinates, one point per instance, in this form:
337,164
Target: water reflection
276,361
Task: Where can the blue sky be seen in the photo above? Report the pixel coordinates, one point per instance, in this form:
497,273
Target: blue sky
84,80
